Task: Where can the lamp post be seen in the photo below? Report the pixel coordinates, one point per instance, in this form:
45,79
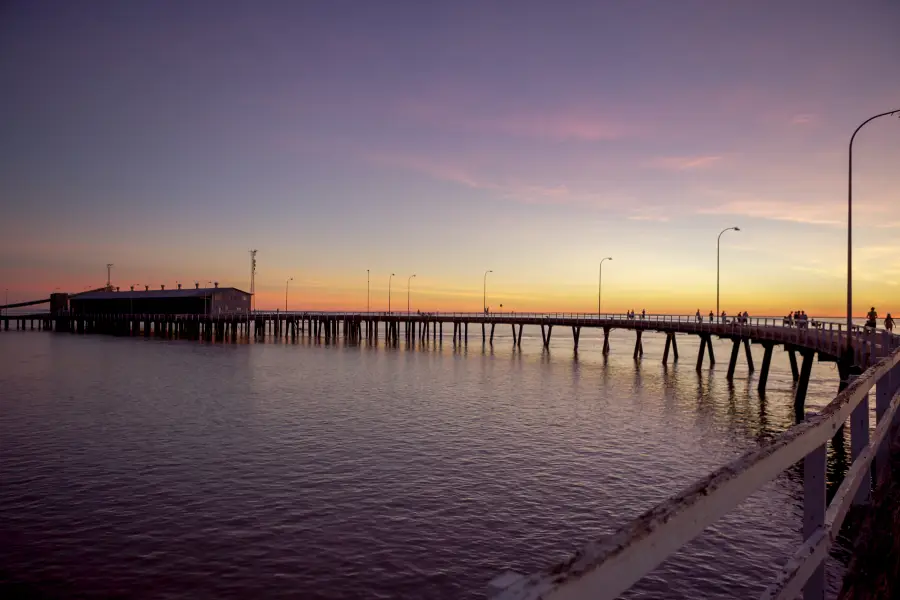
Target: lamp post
286,293
600,284
484,295
389,292
850,223
718,240
368,278
408,283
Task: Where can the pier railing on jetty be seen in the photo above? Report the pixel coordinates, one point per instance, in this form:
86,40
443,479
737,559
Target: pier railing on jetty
606,567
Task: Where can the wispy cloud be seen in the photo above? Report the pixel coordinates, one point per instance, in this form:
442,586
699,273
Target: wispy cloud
834,273
803,119
647,217
811,214
556,125
436,170
512,189
683,163
888,225
528,193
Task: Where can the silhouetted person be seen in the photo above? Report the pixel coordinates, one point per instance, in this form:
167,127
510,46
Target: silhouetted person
871,318
710,316
643,314
699,318
889,323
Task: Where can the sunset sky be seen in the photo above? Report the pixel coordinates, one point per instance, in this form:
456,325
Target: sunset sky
448,138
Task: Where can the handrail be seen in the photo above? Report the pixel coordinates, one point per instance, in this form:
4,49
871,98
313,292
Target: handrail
607,567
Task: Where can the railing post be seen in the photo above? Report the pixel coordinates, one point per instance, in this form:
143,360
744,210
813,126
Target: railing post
884,391
814,513
859,439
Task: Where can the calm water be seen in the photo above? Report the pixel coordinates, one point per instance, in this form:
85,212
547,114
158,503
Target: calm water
165,469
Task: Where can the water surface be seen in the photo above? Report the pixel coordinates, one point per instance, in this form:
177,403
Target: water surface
174,469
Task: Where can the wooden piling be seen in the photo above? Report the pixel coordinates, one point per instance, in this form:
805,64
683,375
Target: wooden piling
764,373
735,350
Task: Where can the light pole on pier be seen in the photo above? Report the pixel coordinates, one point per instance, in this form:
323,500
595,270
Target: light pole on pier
484,296
368,278
389,292
600,284
109,267
718,241
408,283
286,293
850,222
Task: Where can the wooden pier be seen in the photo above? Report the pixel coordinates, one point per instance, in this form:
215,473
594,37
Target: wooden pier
823,342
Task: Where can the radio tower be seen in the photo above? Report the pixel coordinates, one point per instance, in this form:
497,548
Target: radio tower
253,278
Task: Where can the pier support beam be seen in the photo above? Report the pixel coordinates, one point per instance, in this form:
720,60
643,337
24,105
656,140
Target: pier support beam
606,341
735,350
750,367
767,362
576,333
669,337
638,345
792,355
492,334
519,339
803,384
705,342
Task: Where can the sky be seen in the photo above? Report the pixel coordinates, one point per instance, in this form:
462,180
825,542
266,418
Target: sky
347,141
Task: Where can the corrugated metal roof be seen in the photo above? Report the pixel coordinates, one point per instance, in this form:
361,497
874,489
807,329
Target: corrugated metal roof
154,294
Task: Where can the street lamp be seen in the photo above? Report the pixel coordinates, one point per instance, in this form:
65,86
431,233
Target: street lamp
389,292
484,295
408,282
850,223
368,278
600,284
286,292
718,240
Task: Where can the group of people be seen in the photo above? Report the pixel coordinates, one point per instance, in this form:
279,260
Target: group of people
798,318
740,319
700,318
630,314
872,319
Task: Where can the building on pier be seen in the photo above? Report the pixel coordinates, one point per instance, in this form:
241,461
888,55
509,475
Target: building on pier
191,301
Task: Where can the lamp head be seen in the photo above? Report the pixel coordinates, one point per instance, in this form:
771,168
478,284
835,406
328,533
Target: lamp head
737,228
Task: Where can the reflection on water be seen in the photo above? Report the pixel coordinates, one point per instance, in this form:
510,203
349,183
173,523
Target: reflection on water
331,470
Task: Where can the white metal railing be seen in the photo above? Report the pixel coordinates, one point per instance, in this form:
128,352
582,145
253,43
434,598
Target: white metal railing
607,567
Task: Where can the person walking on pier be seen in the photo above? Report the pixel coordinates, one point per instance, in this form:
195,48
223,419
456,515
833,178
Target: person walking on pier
699,318
724,318
889,323
643,314
710,316
871,319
